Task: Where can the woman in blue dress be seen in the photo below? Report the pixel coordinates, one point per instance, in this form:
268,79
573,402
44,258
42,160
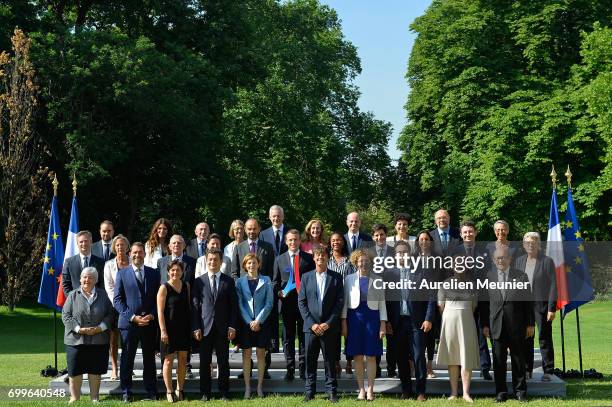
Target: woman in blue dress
363,320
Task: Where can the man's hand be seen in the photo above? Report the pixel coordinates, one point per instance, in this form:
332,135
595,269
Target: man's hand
389,329
486,331
530,331
281,294
551,316
426,326
140,321
231,333
197,335
86,331
316,328
324,327
149,317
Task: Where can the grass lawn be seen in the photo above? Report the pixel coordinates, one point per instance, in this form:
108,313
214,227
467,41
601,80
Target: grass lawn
26,347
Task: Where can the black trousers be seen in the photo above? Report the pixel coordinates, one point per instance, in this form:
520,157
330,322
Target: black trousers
517,359
220,344
391,353
410,337
483,344
327,344
292,325
129,343
546,344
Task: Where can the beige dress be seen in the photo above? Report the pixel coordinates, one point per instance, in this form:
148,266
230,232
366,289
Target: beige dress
458,339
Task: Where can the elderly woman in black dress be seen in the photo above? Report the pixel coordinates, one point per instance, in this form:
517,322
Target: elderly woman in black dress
173,310
87,315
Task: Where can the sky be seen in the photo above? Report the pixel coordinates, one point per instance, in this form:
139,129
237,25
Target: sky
380,31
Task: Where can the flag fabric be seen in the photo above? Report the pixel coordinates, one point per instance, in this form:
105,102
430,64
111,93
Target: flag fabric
53,261
579,283
71,245
554,250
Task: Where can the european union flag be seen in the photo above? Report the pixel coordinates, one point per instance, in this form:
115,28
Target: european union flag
578,275
53,261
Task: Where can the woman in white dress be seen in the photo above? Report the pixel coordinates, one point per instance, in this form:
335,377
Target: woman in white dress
157,244
120,246
458,347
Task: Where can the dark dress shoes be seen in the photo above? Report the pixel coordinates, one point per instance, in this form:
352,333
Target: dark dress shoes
406,396
205,397
290,375
308,397
501,397
125,398
521,397
333,398
486,375
224,397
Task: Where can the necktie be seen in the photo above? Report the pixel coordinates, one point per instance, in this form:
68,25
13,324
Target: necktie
85,261
139,275
106,251
504,279
380,252
296,271
354,242
252,248
214,286
201,253
277,240
444,240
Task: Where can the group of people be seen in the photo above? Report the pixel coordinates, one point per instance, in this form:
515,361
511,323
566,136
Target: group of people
177,298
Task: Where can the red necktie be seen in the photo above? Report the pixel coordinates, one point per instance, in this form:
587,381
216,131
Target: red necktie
296,271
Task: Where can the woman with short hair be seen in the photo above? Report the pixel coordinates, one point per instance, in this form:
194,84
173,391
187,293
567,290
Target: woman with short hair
87,316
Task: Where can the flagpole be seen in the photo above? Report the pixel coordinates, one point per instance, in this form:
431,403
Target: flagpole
55,185
553,176
568,176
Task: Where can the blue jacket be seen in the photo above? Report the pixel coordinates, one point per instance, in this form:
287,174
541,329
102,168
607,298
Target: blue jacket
131,298
256,307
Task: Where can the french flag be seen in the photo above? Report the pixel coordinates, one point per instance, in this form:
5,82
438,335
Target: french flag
554,250
71,245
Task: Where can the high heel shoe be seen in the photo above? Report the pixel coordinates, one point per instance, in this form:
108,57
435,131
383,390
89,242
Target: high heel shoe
180,395
170,397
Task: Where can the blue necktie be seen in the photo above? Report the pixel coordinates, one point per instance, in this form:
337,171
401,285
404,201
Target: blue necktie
444,240
354,242
201,249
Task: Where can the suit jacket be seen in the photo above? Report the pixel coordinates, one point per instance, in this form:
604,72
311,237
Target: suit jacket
420,310
220,312
454,239
188,273
389,252
267,235
352,295
516,311
71,272
135,298
364,241
514,250
544,286
281,275
98,250
255,307
78,312
331,308
479,251
265,252
192,248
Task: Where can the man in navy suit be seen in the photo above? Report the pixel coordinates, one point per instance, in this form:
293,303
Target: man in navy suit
289,268
445,238
354,238
410,313
136,289
71,272
213,321
102,248
320,302
275,234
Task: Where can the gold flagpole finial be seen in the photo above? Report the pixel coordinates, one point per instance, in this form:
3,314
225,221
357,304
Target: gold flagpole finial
553,176
568,175
55,184
74,184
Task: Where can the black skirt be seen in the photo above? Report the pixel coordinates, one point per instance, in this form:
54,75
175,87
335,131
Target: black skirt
250,339
90,359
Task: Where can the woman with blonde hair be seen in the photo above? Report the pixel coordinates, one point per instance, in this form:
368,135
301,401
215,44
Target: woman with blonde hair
236,233
314,236
157,244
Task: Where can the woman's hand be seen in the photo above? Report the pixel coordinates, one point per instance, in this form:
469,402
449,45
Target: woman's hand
164,336
382,330
255,326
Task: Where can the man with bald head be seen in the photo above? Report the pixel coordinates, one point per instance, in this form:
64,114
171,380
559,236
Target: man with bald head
445,238
197,247
356,239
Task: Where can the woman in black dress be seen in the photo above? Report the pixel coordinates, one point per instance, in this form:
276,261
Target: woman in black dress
173,308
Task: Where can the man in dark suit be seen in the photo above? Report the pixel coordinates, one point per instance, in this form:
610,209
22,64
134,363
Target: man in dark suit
197,246
213,321
320,303
177,247
381,250
410,313
71,272
102,248
510,322
354,238
470,249
289,268
136,289
540,270
501,228
275,234
445,238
